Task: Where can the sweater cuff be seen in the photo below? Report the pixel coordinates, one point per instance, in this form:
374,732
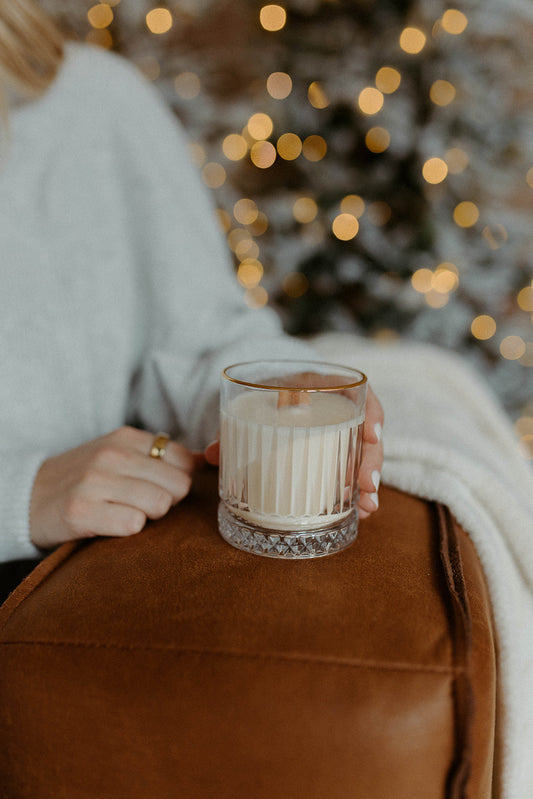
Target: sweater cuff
17,475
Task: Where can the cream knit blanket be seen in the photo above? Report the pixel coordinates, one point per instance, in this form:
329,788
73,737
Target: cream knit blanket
446,439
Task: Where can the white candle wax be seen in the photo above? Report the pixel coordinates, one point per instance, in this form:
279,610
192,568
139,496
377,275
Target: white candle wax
293,467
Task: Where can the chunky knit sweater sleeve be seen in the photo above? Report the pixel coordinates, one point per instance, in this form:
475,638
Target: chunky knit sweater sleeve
119,300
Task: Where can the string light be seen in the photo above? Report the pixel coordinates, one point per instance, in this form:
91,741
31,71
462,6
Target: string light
317,96
512,347
377,139
279,85
250,272
454,21
272,17
345,227
234,147
304,210
159,20
289,146
525,298
100,15
245,211
483,327
256,297
388,80
442,92
435,170
187,85
353,204
260,126
263,154
314,148
466,214
370,100
412,40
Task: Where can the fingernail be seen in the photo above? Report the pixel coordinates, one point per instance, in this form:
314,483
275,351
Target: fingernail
376,478
378,429
375,500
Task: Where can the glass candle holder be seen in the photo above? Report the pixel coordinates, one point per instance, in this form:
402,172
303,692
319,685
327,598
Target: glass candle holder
290,445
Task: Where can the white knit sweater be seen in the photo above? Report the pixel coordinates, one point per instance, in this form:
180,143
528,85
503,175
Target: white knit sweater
119,303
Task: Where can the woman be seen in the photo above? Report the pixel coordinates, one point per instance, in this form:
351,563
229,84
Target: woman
120,304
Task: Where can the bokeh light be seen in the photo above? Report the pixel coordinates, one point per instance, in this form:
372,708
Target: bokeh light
512,347
272,17
256,297
263,154
279,85
388,80
234,147
100,15
295,284
187,85
466,214
213,175
412,40
483,327
435,170
345,227
314,148
159,20
245,211
457,160
317,96
442,92
304,210
289,146
454,21
377,139
260,126
353,204
370,100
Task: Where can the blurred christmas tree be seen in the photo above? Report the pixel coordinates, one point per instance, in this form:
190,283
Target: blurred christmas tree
372,160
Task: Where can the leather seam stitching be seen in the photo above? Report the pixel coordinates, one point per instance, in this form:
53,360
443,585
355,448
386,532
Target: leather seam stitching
346,663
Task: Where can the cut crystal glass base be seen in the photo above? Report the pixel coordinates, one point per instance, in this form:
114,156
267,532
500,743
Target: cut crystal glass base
276,544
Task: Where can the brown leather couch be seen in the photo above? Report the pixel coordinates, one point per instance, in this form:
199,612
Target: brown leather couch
169,665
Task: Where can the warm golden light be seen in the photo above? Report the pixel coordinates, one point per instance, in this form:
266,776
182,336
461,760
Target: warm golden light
100,37
483,327
435,170
295,284
388,79
445,278
454,21
260,224
260,126
237,236
279,85
159,20
263,154
525,299
314,148
289,146
256,297
250,272
304,210
245,211
512,347
412,40
442,92
213,175
466,214
234,147
345,227
370,100
377,139
224,219
435,299
100,15
317,96
529,177
272,17
422,280
456,159
353,204
187,85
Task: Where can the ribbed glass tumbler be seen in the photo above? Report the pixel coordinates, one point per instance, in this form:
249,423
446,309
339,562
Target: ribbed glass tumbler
290,446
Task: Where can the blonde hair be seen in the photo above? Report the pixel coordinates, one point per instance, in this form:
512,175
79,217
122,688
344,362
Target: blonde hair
31,47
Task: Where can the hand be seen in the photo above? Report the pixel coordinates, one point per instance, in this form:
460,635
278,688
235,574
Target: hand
371,460
109,486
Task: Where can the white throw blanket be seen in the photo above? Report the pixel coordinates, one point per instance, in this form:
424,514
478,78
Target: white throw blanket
446,439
